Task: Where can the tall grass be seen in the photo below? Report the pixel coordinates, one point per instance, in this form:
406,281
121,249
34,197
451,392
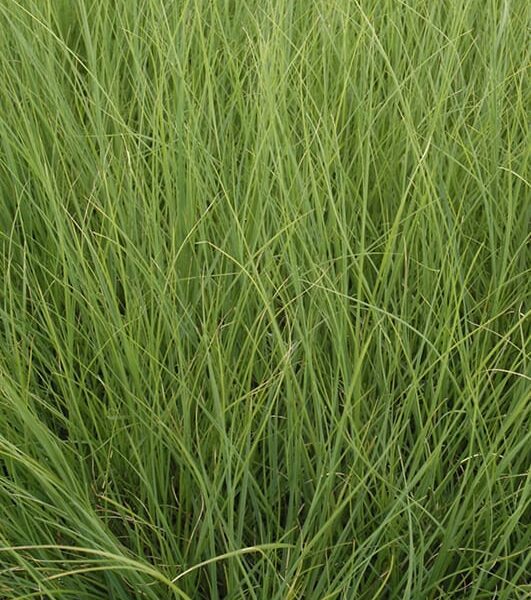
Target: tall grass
264,299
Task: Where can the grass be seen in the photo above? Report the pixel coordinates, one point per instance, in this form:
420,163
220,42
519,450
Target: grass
264,299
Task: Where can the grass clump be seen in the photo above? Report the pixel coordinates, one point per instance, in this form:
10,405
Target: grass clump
264,302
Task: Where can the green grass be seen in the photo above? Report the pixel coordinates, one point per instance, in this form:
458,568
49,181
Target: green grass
264,299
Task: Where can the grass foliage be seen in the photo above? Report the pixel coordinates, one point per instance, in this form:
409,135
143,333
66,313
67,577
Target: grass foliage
264,302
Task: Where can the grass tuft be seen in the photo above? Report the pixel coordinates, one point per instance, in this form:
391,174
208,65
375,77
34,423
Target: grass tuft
264,299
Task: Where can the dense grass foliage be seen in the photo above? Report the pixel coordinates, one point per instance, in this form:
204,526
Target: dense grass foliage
264,301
